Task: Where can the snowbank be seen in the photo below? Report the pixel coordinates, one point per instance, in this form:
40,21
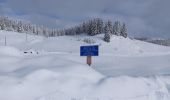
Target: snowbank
48,85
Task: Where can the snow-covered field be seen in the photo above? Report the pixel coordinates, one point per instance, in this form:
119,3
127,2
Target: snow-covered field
52,69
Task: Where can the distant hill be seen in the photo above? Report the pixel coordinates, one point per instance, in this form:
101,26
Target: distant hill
164,42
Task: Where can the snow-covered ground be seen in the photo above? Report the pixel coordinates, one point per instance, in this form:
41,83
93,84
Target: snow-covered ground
52,69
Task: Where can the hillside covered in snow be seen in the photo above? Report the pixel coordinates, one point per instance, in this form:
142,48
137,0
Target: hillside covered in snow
40,68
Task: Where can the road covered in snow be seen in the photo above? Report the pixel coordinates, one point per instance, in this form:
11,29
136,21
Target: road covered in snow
52,69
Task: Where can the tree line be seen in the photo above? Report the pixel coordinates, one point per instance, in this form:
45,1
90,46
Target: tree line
91,27
26,27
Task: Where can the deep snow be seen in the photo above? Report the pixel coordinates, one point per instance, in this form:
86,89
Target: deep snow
52,69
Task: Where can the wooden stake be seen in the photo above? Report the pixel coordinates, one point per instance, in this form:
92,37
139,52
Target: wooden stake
5,40
26,38
89,60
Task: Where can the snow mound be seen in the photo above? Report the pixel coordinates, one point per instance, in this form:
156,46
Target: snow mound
44,84
10,51
120,88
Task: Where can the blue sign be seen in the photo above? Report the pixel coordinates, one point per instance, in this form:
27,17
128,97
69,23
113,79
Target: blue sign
89,50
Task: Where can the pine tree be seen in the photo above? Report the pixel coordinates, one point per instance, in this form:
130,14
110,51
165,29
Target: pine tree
94,28
14,25
107,31
98,25
20,27
123,30
108,27
117,28
90,27
44,31
34,29
84,28
3,27
107,37
37,30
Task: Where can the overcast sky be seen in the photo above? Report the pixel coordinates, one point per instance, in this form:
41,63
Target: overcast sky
143,17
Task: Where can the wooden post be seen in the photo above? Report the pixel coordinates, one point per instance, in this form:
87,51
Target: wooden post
89,60
26,38
5,41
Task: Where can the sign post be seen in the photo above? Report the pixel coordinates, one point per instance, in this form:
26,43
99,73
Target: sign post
89,51
89,60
